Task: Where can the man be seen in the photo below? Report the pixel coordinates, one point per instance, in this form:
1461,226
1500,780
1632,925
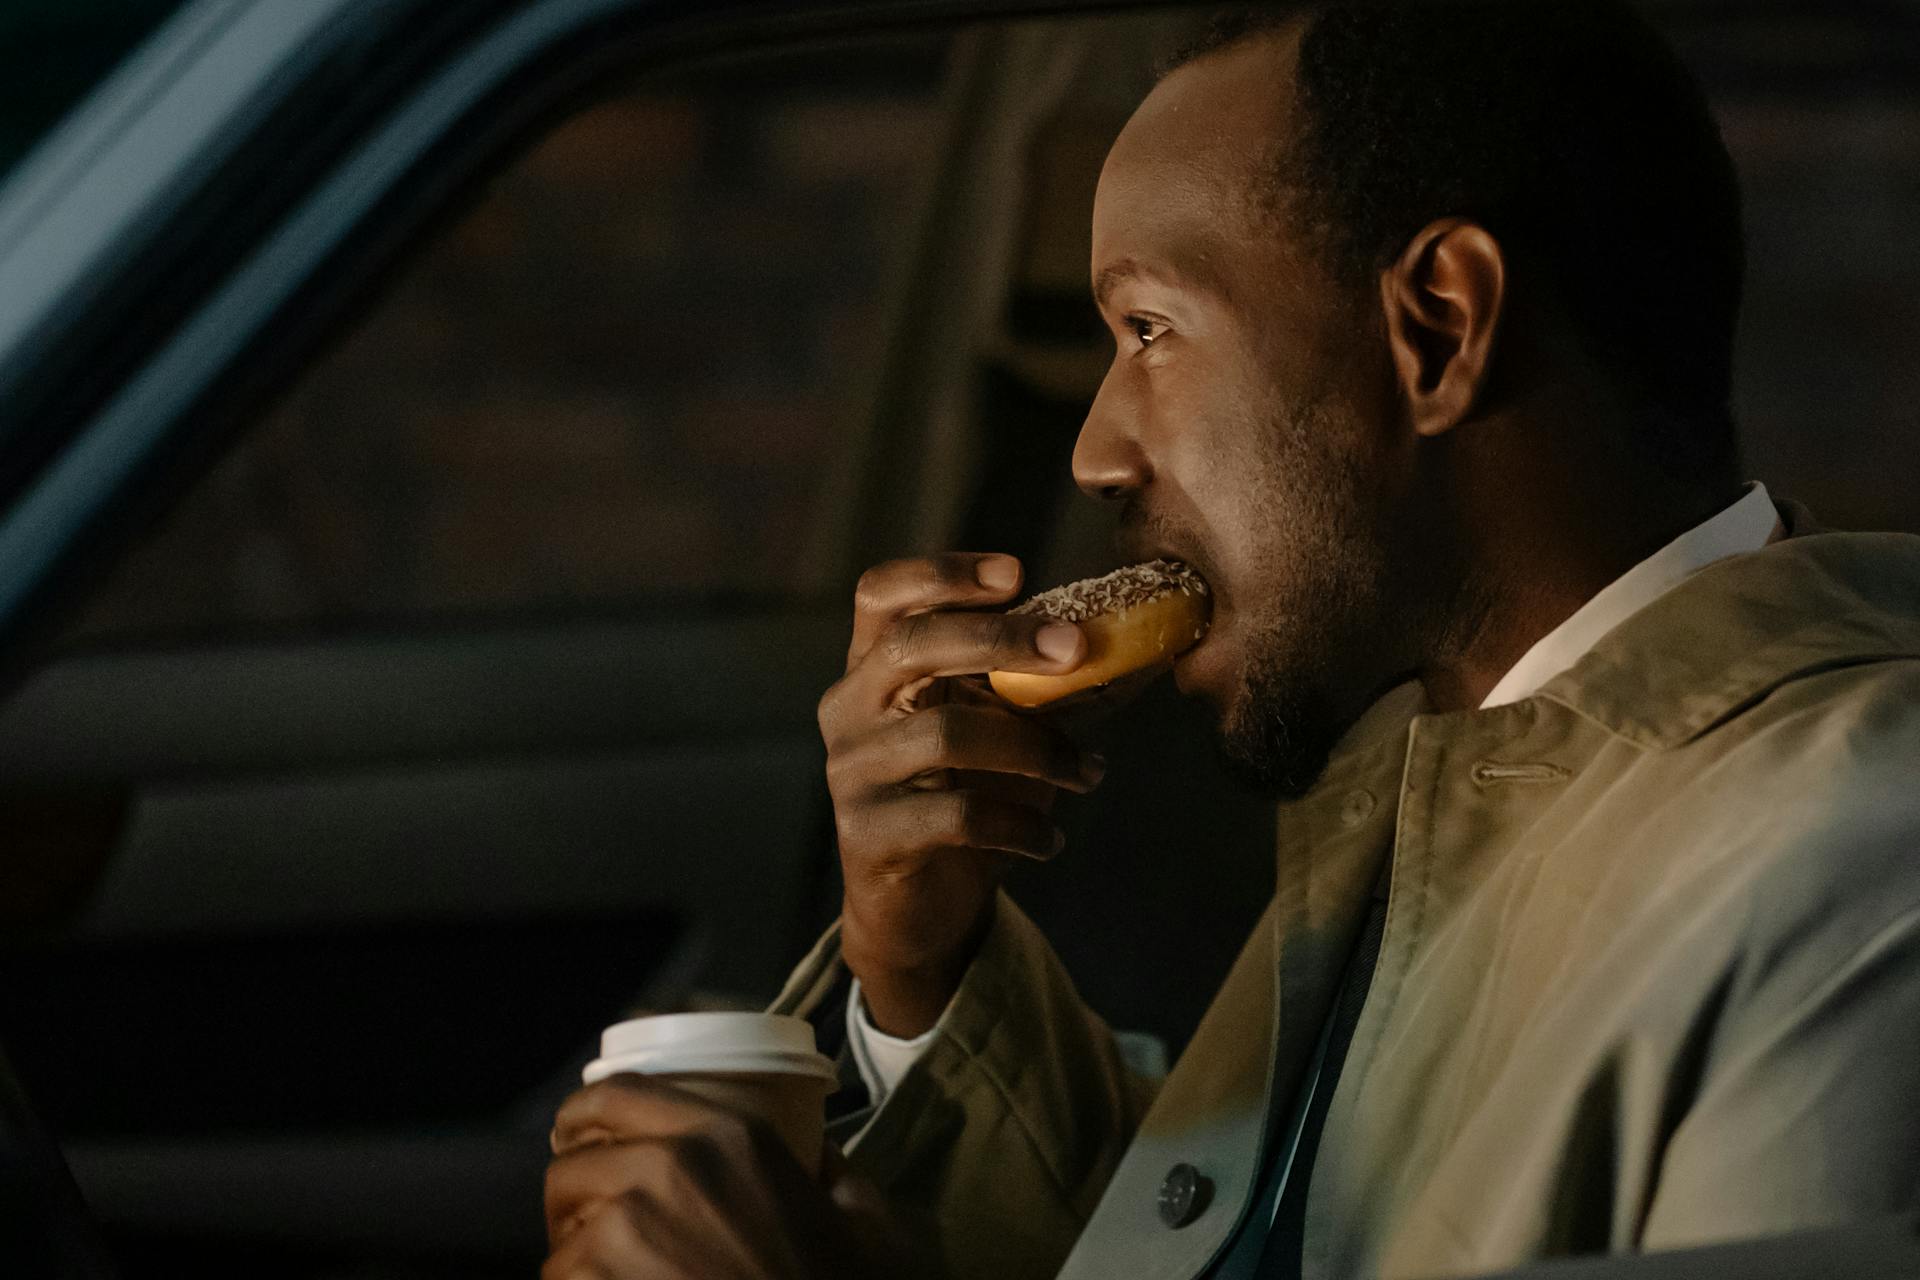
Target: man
1598,918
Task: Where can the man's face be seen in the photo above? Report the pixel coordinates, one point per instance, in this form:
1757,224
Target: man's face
1248,420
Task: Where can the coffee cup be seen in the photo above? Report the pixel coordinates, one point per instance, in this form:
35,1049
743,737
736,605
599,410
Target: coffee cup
761,1064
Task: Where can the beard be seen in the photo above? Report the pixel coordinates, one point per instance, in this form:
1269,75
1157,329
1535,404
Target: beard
1277,735
1304,681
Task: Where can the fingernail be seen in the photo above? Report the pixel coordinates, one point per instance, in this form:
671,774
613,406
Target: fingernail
1093,767
999,573
1059,641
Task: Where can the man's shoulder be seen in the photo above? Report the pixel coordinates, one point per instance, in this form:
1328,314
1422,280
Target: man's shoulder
1830,616
1843,732
1815,799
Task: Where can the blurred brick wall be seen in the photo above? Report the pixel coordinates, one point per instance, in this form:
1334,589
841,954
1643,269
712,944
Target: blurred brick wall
620,377
1828,369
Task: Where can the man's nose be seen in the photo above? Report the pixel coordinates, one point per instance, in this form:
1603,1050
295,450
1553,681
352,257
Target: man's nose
1107,459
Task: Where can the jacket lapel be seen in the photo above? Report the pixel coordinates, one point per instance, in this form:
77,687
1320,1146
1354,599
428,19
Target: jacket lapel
1215,1114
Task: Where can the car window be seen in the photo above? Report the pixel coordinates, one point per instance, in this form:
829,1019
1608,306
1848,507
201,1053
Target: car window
472,687
54,52
631,372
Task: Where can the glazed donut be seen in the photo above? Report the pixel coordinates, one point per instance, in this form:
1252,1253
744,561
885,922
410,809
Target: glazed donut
1134,618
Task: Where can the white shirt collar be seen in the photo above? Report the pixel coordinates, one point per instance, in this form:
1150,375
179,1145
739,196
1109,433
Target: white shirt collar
1747,525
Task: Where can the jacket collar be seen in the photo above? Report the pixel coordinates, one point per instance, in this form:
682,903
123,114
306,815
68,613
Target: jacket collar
1742,627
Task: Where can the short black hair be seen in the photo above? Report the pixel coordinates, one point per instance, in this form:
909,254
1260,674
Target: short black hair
1573,133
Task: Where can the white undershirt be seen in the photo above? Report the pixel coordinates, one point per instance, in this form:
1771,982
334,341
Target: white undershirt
1747,525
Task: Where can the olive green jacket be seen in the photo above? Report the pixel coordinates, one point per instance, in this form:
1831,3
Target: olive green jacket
1650,976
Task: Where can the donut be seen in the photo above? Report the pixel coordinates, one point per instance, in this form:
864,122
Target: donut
1134,618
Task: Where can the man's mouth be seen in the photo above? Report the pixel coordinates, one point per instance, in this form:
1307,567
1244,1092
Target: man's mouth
1193,670
1139,550
1139,543
1140,547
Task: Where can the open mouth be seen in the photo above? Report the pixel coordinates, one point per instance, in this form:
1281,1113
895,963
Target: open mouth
1192,669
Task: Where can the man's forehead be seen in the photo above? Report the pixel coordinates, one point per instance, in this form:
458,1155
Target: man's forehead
1237,100
1187,160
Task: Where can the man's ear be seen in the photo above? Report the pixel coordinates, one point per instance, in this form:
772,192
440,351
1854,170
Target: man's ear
1443,299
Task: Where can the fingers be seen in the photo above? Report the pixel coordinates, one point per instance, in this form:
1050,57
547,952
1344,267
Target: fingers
960,644
688,1190
955,580
958,736
926,646
602,1252
633,1135
888,1248
632,1108
692,1171
852,1192
614,1242
900,832
582,1180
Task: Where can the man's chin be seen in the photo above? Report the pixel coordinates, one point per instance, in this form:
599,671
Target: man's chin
1275,753
1267,776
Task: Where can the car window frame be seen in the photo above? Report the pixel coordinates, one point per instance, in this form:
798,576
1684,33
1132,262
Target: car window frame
110,410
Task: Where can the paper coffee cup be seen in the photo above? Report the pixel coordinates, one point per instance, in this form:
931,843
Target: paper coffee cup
762,1064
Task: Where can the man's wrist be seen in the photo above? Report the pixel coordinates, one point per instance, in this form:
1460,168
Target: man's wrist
905,1006
906,1000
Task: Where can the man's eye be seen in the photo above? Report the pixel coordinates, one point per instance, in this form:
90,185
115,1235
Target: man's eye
1145,331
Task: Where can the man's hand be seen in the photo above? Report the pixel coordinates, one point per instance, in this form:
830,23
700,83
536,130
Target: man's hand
649,1182
936,783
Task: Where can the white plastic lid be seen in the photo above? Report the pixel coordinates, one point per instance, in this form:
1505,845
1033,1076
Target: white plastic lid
678,1043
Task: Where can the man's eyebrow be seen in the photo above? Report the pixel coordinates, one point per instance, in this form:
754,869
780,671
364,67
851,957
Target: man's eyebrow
1113,276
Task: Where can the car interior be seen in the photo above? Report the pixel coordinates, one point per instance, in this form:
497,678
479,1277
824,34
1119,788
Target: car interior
461,702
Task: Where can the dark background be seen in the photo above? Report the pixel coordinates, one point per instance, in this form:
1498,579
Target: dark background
466,702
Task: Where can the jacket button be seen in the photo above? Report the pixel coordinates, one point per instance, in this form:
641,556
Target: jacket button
1183,1195
1358,805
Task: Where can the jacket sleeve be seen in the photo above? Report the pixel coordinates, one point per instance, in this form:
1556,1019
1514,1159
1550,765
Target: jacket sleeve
1807,1116
999,1140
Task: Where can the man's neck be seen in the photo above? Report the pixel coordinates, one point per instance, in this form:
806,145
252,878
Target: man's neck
1540,563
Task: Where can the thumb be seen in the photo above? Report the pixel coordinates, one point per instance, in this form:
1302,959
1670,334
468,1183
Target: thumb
851,1191
888,1247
